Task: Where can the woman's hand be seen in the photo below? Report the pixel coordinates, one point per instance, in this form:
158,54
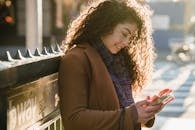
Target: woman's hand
146,111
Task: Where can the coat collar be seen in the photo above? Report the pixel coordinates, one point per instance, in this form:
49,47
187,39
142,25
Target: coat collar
98,70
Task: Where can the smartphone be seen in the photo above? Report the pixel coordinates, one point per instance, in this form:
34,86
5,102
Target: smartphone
164,96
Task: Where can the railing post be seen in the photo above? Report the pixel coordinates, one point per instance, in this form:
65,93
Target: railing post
34,23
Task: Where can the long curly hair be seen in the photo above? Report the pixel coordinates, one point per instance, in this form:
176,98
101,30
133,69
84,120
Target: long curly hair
100,18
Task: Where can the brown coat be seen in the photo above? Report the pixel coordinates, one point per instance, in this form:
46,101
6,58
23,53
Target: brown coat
88,100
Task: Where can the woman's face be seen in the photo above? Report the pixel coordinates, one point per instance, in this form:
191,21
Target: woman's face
119,37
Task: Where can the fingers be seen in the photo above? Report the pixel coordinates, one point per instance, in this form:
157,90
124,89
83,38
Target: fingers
143,102
145,117
146,111
153,109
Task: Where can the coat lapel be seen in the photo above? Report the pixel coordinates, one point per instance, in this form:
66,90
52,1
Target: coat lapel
101,79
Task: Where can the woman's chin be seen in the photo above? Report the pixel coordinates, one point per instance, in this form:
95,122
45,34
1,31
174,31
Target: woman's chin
114,51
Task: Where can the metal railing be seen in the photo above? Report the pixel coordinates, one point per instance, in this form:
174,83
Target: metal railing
29,90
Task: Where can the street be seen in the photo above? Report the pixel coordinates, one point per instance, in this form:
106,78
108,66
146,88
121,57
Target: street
180,113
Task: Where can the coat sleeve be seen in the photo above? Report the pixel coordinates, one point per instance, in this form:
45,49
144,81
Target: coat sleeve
150,123
73,91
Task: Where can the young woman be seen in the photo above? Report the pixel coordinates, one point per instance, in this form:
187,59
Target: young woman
108,55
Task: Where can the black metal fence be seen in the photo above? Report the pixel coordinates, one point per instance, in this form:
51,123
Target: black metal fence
29,90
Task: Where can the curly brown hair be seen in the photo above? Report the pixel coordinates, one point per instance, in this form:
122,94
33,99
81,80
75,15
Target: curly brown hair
100,18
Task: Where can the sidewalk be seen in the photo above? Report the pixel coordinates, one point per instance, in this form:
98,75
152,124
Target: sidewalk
164,123
179,114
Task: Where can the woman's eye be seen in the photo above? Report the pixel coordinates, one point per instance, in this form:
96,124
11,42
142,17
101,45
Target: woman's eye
124,35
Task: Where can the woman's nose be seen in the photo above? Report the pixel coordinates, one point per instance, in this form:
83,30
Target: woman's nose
126,42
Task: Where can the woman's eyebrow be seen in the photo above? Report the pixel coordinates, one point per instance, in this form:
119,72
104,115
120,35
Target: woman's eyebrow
127,30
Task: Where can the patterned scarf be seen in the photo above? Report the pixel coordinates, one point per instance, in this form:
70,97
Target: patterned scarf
120,74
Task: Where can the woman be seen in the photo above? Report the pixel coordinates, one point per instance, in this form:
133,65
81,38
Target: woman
108,55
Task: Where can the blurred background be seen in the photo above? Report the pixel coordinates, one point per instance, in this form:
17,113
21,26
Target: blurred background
24,22
37,23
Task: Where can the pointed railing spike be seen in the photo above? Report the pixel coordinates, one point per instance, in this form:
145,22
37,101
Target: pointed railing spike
8,56
19,55
44,52
29,54
57,49
51,50
37,52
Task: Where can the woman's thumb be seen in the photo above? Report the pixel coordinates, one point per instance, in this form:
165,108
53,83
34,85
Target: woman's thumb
142,103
